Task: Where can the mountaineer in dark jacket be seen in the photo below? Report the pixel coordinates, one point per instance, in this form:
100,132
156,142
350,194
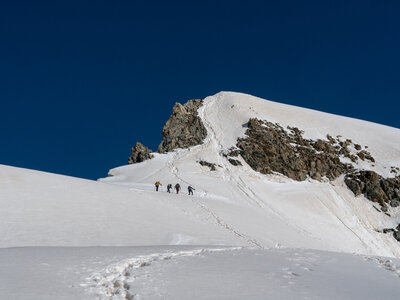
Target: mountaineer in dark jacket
190,190
169,187
177,188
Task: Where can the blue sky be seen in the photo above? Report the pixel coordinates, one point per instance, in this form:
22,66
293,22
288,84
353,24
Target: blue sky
81,82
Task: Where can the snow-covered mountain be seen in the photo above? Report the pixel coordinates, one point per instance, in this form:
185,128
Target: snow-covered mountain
309,214
261,235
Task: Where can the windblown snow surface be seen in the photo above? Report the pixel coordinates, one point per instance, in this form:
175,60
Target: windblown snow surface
243,235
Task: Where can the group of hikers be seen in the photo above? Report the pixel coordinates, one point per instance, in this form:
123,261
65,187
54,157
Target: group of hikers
177,188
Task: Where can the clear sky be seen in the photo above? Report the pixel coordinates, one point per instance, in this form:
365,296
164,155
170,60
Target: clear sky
81,82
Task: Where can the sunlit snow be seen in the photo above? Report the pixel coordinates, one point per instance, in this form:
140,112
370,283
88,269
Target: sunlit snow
243,235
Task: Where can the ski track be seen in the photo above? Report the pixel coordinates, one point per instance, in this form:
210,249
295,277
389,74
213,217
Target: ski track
115,281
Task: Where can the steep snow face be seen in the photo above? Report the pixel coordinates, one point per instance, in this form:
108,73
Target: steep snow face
226,113
271,210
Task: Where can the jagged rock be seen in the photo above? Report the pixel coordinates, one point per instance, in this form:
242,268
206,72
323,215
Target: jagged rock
365,155
270,148
355,185
212,166
353,157
184,127
234,162
375,187
396,232
396,235
233,152
140,153
331,140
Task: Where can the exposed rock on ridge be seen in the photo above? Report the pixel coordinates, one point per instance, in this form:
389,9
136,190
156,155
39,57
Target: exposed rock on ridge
395,231
212,166
140,153
375,188
184,127
270,148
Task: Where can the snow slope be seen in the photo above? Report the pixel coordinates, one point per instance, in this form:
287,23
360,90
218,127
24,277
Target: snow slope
42,209
119,239
283,212
192,272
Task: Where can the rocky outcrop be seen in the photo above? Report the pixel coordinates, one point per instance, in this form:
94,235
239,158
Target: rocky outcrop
234,162
270,148
139,153
232,152
212,166
375,188
395,231
184,127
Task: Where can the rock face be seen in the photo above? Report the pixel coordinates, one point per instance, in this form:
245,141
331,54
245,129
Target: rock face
375,188
184,127
139,153
270,148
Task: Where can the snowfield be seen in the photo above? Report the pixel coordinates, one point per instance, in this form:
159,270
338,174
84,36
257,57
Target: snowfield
192,272
242,234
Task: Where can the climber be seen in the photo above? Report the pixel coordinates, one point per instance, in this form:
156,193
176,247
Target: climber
190,189
169,187
157,184
177,188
